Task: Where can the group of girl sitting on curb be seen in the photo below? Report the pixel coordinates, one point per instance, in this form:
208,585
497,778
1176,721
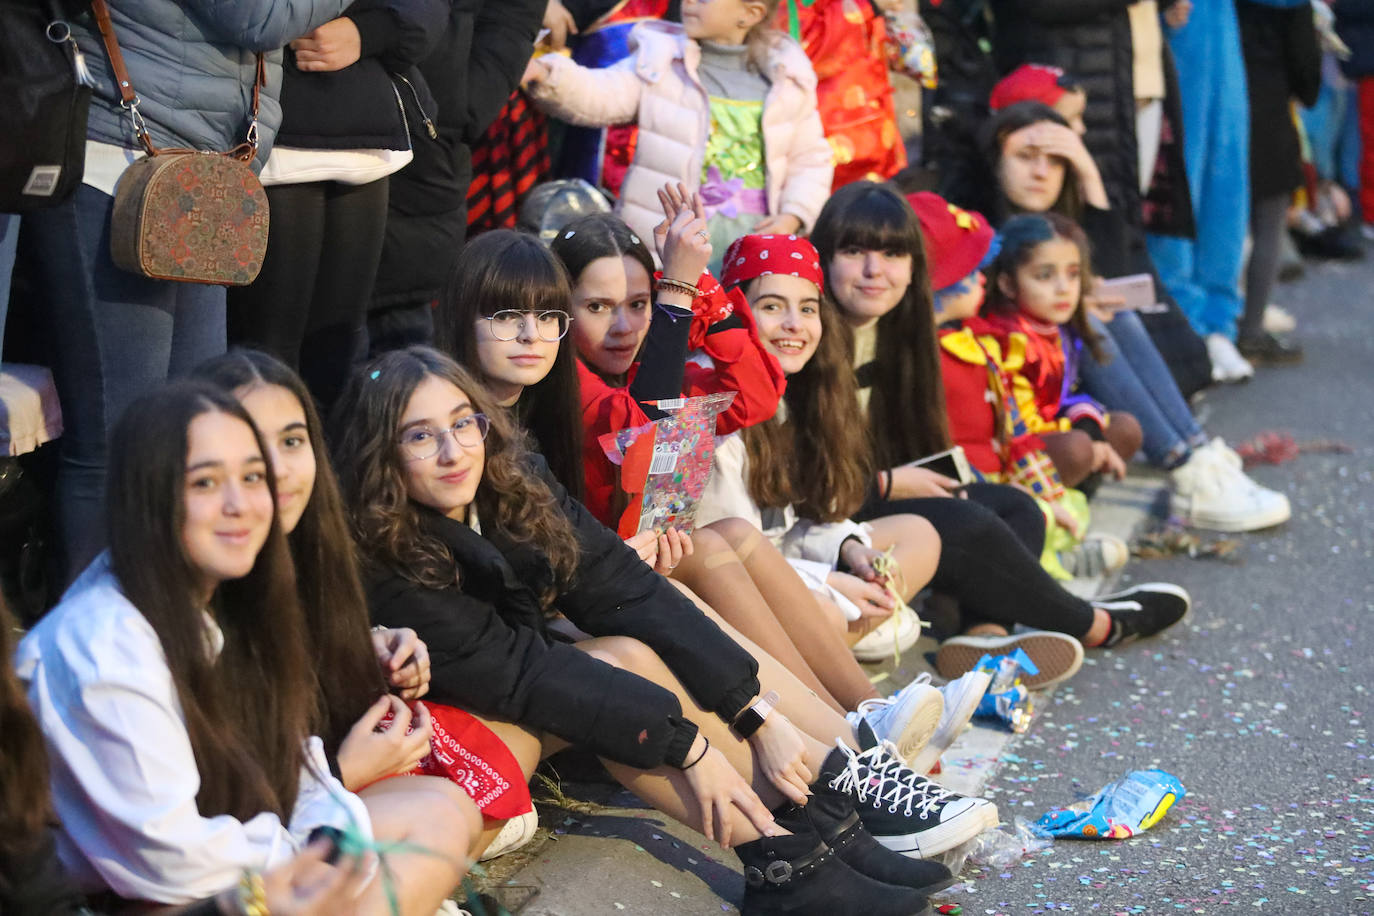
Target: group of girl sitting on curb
208,694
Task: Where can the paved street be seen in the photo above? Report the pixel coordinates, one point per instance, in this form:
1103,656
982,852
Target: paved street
1260,704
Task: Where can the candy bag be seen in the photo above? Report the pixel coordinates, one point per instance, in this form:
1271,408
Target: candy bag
1007,700
1121,809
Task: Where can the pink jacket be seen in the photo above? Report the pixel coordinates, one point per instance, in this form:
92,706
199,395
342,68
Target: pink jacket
657,86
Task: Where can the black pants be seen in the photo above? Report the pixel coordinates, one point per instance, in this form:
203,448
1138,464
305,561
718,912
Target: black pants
989,558
307,306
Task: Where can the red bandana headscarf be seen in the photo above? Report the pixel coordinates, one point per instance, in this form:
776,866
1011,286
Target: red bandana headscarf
760,255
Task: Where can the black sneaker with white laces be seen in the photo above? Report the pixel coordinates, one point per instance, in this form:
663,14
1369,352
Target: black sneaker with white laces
903,810
1143,611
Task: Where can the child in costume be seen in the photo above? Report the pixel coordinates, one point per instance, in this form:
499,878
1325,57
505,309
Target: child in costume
984,416
724,105
1035,302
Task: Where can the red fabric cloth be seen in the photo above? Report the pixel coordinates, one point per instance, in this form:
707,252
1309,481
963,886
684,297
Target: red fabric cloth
507,162
845,41
1030,83
466,752
732,360
956,240
1044,368
753,256
972,413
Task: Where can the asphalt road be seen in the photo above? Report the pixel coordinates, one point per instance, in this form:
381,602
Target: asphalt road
1260,702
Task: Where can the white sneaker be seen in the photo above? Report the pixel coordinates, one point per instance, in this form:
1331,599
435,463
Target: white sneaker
1211,492
1098,555
1278,320
1224,453
1227,363
961,699
907,718
892,637
516,833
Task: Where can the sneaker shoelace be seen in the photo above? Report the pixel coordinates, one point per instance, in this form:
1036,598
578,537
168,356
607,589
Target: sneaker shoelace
879,772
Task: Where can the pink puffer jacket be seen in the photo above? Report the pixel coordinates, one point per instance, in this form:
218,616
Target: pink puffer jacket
657,86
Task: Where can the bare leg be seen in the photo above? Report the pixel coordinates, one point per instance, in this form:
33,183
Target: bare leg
823,647
714,572
434,815
915,546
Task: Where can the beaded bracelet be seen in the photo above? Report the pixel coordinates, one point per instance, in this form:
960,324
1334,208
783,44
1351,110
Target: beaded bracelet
253,895
669,285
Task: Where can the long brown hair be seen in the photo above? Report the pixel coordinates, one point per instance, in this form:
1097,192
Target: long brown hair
25,805
512,501
906,406
1021,235
817,456
331,593
248,711
504,269
993,140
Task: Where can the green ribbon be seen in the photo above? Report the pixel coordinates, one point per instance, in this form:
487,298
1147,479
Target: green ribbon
794,17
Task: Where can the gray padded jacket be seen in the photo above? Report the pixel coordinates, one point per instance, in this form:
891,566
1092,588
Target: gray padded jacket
192,64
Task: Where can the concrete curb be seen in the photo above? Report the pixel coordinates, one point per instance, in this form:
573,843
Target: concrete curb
625,858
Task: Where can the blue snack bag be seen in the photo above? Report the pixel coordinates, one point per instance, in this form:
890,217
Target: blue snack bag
1007,700
1121,809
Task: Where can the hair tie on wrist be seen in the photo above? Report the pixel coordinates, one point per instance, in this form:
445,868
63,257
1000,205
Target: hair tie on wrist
669,285
699,756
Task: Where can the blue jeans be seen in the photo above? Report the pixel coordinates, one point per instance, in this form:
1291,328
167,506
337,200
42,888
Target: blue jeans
1203,274
115,335
1333,131
1135,379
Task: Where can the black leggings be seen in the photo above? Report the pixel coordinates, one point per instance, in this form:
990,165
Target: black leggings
989,549
307,306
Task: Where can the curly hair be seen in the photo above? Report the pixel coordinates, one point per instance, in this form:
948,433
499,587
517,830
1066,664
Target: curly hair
513,502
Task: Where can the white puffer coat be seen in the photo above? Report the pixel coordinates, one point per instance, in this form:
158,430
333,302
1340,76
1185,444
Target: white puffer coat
657,87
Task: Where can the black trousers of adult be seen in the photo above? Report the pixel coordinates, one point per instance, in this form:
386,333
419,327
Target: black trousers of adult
990,545
308,306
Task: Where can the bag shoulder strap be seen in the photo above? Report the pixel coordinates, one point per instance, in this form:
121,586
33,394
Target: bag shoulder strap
129,98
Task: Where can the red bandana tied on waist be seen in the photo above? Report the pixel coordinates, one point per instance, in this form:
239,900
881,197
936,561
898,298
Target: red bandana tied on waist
760,255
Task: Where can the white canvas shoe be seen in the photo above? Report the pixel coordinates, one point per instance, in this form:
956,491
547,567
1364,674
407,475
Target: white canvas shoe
1227,363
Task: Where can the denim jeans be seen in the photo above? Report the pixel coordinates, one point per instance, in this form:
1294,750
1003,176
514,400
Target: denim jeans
115,335
1136,380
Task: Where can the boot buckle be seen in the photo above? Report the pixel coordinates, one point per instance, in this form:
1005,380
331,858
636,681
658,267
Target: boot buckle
778,871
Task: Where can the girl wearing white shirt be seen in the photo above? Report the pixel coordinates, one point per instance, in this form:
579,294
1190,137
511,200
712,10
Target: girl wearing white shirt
172,683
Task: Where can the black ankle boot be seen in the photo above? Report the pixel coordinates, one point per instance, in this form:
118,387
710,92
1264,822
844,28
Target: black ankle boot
798,875
833,816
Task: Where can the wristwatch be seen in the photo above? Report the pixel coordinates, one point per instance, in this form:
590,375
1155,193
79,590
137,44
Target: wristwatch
751,719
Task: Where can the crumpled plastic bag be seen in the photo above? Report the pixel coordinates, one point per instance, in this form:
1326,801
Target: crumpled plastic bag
1007,700
1131,805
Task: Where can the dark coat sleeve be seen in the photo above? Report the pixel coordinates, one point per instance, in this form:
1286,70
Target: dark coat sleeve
1069,11
480,663
502,42
32,883
1303,57
617,594
400,33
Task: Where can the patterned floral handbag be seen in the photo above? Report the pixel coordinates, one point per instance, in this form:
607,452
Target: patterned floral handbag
186,215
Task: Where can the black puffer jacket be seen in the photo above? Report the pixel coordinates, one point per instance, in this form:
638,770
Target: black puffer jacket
953,112
474,67
1282,63
491,654
356,107
1091,41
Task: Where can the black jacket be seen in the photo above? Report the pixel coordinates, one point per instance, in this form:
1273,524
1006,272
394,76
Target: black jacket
474,67
490,652
1091,41
356,107
952,112
1355,25
1282,62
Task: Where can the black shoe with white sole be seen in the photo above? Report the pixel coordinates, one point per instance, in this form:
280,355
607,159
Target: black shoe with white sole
1143,611
903,810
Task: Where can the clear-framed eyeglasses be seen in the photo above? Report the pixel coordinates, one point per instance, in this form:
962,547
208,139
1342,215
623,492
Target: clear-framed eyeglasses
422,442
508,324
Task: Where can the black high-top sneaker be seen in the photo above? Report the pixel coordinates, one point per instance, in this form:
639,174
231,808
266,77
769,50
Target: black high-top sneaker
798,875
905,811
832,815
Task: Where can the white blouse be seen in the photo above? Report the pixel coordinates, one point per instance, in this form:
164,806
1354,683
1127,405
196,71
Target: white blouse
124,778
